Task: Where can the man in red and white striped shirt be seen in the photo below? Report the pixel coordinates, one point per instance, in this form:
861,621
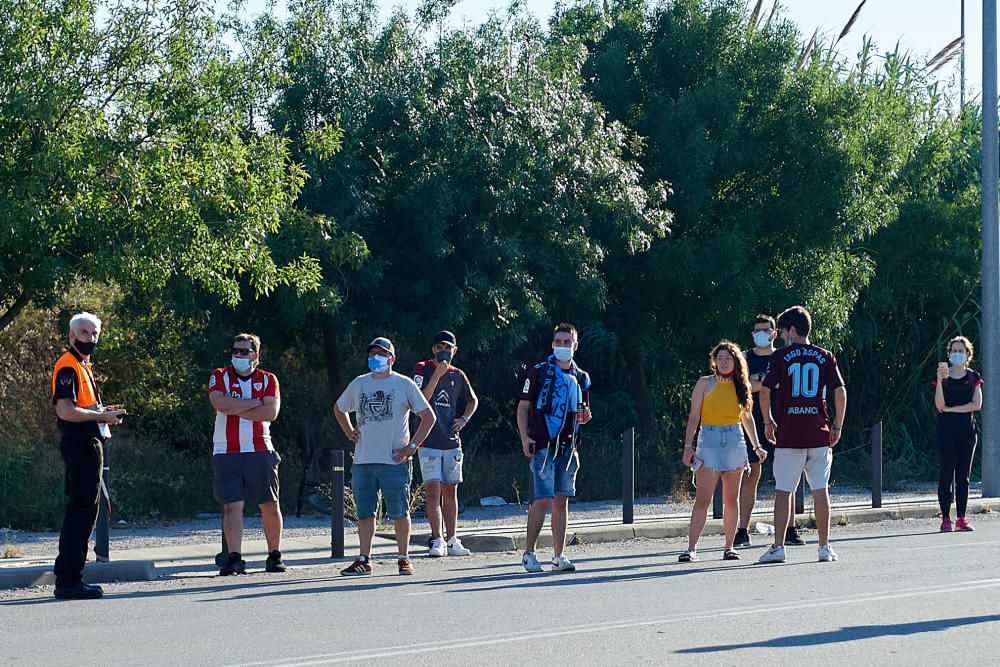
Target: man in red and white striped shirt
246,400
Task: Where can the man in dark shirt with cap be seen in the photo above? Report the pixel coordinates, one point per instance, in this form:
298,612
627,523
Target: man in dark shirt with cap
445,387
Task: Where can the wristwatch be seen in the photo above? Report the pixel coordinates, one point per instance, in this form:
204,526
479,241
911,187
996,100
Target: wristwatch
414,446
466,418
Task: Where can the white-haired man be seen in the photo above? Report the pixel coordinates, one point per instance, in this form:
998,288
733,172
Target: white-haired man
84,423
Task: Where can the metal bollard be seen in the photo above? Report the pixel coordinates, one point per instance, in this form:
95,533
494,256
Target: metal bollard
877,465
717,500
800,499
102,537
628,476
337,507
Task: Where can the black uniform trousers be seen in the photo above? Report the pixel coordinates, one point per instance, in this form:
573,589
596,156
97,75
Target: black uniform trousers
84,461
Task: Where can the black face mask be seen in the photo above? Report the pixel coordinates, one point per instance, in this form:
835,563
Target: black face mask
85,348
443,355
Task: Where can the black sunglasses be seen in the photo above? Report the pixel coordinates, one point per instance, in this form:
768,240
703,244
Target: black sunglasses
242,351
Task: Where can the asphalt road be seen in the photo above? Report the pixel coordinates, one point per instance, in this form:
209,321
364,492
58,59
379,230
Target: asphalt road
902,594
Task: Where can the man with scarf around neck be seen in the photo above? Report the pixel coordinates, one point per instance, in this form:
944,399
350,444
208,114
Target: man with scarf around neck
554,403
84,425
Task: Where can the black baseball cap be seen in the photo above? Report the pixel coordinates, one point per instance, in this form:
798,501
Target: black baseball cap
445,337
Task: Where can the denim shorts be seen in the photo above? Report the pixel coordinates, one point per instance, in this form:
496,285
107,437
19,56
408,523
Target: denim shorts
722,448
550,473
367,479
441,465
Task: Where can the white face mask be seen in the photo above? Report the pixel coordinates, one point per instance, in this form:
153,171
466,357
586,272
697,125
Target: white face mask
761,339
562,353
241,364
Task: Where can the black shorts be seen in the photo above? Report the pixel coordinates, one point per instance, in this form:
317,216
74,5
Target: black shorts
254,472
768,447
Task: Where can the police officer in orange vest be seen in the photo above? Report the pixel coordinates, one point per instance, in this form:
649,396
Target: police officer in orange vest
84,424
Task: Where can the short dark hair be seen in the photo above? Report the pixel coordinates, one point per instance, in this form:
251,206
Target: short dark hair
765,319
253,339
798,317
566,327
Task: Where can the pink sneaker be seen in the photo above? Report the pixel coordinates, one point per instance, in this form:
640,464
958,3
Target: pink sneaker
946,525
963,524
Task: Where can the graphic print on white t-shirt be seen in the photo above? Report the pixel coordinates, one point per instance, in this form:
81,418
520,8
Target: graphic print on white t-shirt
375,406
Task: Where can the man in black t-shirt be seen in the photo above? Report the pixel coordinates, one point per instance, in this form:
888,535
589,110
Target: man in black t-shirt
445,387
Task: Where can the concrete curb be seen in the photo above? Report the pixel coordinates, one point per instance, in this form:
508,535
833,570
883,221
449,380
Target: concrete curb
679,528
39,573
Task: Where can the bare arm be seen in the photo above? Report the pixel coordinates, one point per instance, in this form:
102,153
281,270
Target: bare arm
344,420
427,420
750,426
975,406
694,415
840,406
267,411
428,389
230,405
67,411
939,397
523,416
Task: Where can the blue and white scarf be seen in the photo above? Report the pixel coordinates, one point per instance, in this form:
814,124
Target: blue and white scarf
560,394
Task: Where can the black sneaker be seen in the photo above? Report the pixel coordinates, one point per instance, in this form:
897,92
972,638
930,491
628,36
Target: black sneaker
274,562
234,565
80,591
793,538
742,538
95,587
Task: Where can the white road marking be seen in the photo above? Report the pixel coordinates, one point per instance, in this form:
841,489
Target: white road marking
472,642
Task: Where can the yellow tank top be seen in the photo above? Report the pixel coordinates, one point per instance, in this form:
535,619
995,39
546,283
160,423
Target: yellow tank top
721,407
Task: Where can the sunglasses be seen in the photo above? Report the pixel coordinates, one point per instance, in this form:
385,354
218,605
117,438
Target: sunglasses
241,351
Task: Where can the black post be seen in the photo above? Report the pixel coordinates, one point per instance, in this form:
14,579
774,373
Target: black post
877,465
223,556
628,476
337,507
800,499
102,538
717,500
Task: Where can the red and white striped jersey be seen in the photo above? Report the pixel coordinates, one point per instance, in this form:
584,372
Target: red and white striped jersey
233,434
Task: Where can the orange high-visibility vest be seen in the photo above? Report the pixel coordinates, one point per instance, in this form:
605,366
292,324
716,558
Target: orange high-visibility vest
87,395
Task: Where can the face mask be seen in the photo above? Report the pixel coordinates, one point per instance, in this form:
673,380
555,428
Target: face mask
761,339
378,364
957,358
241,364
444,355
563,353
85,348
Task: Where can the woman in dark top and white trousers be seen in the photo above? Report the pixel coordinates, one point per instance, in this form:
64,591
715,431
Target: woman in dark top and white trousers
958,393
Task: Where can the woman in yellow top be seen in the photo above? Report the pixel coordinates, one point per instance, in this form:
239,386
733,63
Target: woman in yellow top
722,404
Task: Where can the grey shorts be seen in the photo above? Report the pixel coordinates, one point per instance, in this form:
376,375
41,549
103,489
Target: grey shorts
254,472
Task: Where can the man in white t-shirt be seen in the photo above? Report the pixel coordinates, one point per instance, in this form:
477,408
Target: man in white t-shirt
382,402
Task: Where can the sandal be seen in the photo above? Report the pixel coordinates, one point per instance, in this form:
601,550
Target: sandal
731,554
688,556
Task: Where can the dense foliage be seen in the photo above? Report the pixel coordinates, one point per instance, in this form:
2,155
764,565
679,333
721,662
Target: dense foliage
656,174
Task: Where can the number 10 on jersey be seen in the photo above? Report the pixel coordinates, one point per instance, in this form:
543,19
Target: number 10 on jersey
805,379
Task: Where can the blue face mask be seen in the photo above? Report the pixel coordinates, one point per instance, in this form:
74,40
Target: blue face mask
378,364
563,353
241,364
957,358
761,339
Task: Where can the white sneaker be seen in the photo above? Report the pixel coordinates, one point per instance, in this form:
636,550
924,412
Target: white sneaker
826,553
437,549
776,554
530,562
456,548
562,564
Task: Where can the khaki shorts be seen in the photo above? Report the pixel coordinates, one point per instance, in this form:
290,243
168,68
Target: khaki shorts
789,464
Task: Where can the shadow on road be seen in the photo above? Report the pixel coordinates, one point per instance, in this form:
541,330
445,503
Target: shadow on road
852,633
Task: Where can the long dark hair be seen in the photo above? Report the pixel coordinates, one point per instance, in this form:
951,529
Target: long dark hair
741,375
